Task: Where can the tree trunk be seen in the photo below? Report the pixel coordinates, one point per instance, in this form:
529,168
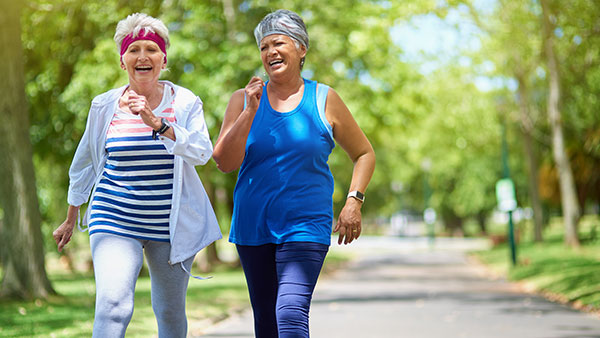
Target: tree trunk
527,128
229,13
482,222
209,257
23,256
568,195
452,222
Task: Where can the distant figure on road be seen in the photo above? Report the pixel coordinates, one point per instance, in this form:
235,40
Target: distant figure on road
280,134
138,153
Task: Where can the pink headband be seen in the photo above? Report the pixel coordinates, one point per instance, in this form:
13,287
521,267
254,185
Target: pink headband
143,35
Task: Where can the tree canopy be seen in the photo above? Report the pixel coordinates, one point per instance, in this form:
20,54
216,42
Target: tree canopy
435,121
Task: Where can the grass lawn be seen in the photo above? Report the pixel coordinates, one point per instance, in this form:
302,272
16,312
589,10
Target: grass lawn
71,313
561,273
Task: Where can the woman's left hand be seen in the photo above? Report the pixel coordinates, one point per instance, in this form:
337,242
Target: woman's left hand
349,221
139,105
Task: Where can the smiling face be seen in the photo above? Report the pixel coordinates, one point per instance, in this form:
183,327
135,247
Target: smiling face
143,61
280,55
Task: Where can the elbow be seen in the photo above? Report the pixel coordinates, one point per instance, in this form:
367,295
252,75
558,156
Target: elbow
227,159
224,168
371,154
367,155
221,163
373,157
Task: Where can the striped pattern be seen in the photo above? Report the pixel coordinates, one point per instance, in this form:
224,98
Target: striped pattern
133,197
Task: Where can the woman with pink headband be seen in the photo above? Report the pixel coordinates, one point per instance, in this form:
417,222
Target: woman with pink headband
136,158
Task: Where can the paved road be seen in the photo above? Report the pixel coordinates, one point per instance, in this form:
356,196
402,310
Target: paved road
405,288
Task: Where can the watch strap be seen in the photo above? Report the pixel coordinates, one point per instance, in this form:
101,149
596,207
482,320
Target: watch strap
356,194
165,125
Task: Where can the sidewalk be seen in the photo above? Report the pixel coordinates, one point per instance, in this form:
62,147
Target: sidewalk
405,288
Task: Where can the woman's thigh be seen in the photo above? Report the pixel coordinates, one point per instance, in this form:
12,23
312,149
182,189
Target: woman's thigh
258,263
117,264
169,282
169,288
298,267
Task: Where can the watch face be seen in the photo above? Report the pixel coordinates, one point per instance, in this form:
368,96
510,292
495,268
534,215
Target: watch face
357,194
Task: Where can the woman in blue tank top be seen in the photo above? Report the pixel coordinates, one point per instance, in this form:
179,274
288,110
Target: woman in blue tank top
280,134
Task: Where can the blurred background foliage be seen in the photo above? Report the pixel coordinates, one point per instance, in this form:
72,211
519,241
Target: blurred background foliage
435,120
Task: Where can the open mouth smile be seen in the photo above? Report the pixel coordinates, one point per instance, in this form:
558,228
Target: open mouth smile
143,68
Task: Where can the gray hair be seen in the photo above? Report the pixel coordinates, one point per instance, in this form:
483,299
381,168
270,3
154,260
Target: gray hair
135,22
283,22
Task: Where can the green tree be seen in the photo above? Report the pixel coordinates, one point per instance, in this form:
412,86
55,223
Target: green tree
213,53
513,43
410,115
559,80
578,45
21,238
570,207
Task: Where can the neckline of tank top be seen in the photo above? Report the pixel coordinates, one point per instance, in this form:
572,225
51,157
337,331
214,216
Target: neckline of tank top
291,112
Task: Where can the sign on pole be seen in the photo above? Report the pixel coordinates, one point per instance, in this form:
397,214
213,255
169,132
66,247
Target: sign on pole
505,195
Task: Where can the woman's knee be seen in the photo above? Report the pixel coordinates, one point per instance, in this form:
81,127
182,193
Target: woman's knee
292,312
169,309
169,313
113,308
292,321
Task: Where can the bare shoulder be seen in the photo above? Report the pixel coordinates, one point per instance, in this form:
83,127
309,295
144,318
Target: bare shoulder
236,102
332,92
238,95
335,108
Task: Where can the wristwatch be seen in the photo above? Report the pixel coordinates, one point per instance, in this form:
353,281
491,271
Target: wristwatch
357,194
165,125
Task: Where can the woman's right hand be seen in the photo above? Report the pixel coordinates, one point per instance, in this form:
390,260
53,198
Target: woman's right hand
253,91
62,234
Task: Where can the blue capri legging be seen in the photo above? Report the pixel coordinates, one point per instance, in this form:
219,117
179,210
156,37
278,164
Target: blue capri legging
281,279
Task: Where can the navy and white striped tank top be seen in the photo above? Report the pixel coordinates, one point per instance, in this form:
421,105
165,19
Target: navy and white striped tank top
133,197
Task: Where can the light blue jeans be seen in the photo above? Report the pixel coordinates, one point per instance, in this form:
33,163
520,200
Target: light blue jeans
117,264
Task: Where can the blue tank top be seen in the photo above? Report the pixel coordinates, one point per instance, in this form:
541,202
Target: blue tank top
284,188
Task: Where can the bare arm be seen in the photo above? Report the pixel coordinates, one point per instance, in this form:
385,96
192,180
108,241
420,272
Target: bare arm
62,234
351,138
230,148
